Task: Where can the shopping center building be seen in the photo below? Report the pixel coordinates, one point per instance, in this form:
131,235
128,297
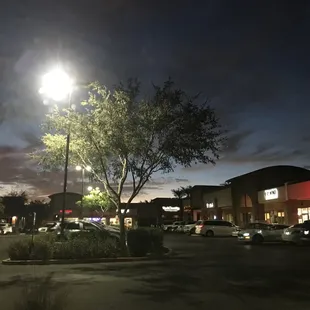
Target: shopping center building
277,194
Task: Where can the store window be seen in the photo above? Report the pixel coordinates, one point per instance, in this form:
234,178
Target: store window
275,217
303,214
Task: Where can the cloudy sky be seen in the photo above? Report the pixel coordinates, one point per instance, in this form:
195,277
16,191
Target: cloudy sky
250,58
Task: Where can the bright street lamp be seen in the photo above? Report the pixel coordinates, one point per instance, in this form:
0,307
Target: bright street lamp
83,168
89,188
58,86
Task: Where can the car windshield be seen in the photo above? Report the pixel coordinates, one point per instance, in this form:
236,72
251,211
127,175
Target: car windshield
258,226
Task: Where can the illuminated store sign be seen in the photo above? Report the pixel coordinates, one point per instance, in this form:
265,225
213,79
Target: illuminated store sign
171,209
209,205
270,194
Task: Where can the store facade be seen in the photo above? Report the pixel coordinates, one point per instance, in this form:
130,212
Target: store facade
276,207
286,204
218,205
259,195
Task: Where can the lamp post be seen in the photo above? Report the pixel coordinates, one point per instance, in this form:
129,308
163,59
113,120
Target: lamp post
82,169
58,86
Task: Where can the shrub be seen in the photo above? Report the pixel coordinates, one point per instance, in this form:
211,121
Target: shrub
85,247
79,245
139,242
157,240
42,250
20,249
90,235
47,237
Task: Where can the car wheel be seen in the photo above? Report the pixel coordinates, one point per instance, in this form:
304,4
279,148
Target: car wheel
209,233
257,239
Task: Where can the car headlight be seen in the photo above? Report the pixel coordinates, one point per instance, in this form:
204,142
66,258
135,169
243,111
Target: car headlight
246,234
306,232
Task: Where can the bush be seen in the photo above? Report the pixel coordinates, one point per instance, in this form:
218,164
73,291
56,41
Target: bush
20,249
80,245
157,240
139,242
144,240
41,250
85,248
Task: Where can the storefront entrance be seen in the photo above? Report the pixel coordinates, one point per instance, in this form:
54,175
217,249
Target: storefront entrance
275,217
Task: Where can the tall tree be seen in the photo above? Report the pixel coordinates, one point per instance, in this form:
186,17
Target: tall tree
126,137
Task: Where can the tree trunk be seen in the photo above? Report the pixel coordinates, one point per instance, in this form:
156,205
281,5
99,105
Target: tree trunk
181,209
122,233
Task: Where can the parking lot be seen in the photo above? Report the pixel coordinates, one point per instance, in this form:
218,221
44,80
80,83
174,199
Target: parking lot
213,273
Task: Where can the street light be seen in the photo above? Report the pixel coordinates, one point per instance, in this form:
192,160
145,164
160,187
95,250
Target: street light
83,168
58,86
89,188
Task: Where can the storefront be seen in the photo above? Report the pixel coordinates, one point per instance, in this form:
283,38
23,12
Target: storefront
299,195
218,205
276,209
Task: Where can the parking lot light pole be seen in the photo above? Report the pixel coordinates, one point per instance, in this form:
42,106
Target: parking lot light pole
82,169
58,86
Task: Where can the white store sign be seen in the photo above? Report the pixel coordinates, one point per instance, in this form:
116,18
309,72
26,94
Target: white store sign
171,209
209,205
271,194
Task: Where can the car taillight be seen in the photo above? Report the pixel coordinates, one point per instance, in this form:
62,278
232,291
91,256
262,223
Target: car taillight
200,226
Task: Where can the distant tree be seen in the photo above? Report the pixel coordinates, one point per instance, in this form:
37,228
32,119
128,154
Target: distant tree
21,194
2,206
182,192
187,191
122,136
97,201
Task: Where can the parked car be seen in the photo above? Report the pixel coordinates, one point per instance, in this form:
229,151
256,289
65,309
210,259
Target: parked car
258,233
189,228
48,227
211,228
173,226
236,232
77,226
297,234
5,228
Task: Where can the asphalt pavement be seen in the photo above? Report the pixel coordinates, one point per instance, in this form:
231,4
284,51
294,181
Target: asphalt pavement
215,273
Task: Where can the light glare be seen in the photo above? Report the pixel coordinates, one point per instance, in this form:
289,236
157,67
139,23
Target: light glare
78,168
56,84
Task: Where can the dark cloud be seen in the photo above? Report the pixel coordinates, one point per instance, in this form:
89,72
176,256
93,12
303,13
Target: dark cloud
235,140
18,172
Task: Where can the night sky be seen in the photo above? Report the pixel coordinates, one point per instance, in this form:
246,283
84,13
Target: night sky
250,58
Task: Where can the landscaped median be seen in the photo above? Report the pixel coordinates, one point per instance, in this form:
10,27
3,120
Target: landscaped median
87,247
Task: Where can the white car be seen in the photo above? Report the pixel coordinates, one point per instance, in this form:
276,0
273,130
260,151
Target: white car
189,228
5,228
48,227
211,228
257,233
173,226
295,233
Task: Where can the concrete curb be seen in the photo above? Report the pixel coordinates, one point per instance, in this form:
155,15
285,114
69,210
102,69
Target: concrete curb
86,261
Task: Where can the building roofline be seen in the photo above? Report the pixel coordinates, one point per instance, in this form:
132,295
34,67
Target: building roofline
264,169
61,193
